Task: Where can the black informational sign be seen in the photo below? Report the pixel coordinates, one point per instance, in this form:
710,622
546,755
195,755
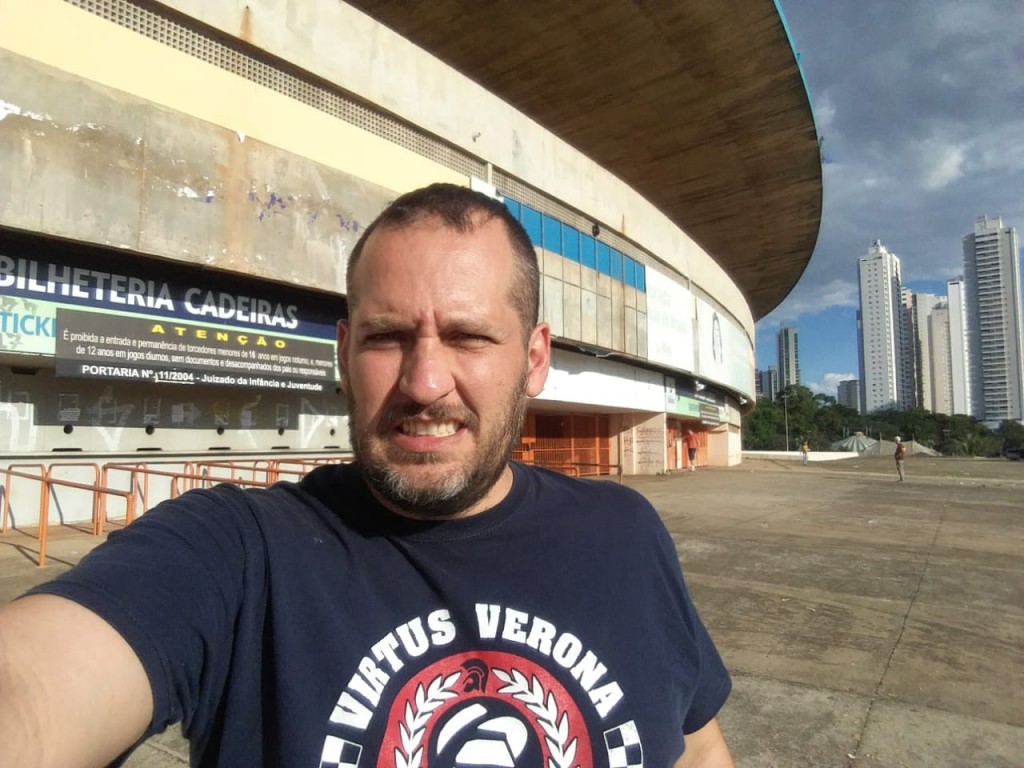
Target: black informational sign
710,414
137,348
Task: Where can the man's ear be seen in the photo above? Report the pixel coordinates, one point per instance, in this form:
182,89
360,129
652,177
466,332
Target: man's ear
343,338
538,353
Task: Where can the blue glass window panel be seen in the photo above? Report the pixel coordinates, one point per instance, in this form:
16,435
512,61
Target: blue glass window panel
604,259
588,252
532,224
513,207
629,272
616,271
552,234
641,278
571,243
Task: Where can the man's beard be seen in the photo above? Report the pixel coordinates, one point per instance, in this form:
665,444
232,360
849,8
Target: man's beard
381,462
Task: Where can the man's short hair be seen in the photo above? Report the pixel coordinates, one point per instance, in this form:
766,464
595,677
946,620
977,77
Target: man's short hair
460,208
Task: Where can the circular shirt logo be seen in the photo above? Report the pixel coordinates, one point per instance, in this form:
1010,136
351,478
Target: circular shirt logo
484,710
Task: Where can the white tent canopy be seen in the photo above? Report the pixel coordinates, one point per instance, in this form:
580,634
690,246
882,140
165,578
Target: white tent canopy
860,443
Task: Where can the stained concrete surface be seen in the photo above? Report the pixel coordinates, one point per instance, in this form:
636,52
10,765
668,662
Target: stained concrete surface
866,622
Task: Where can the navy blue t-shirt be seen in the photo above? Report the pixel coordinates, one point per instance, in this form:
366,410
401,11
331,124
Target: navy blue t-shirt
306,625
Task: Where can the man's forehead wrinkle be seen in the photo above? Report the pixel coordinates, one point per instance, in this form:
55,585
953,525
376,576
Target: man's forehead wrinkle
382,321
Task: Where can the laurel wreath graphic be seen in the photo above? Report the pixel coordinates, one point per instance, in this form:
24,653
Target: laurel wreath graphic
542,703
416,718
537,699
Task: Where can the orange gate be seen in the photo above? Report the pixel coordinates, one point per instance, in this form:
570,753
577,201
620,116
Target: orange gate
578,444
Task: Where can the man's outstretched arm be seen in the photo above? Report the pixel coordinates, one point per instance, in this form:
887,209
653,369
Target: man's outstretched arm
72,691
705,748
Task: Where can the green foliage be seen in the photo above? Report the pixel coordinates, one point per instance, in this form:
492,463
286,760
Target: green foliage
1011,435
820,421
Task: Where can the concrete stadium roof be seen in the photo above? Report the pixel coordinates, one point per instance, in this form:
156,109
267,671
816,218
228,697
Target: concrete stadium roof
699,105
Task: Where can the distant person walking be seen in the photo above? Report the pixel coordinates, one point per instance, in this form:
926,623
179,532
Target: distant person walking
900,456
691,448
805,451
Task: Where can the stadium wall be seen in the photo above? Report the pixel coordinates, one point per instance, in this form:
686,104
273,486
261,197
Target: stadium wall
242,146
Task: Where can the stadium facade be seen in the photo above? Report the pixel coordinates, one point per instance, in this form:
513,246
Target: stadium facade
181,183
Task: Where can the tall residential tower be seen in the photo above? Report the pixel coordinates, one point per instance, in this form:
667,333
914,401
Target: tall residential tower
789,357
848,394
994,324
882,327
767,383
921,306
959,366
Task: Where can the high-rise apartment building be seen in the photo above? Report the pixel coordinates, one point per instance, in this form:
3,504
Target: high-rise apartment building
848,394
789,357
940,378
918,352
882,327
767,383
995,330
907,376
959,365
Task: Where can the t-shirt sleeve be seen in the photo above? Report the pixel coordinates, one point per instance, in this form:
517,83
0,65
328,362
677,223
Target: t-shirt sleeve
172,585
713,684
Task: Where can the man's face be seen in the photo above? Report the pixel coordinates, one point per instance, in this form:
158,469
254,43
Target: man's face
435,367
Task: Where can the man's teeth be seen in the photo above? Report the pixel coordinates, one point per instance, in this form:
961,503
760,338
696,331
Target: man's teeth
430,428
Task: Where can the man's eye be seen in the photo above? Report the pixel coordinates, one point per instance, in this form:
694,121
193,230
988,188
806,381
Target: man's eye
470,339
378,339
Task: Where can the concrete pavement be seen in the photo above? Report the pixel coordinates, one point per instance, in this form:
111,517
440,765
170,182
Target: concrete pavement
867,623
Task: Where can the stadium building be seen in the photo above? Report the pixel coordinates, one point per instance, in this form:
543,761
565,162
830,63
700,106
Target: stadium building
181,183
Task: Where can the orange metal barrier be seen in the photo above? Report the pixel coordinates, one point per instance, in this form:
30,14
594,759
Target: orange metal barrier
584,469
567,462
238,471
190,477
589,469
298,467
139,493
13,471
98,488
186,476
47,482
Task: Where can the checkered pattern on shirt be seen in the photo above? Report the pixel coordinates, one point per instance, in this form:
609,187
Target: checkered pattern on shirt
624,748
339,753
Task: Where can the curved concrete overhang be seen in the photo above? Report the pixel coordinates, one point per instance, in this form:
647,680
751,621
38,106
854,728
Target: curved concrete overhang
698,105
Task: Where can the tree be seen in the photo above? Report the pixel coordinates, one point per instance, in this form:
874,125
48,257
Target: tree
819,420
918,424
799,409
1011,433
761,426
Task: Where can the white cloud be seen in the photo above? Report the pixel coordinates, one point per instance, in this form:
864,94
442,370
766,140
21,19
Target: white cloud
952,18
829,383
810,299
942,164
998,149
824,112
922,133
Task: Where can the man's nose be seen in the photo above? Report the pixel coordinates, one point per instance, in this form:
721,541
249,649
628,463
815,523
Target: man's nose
426,372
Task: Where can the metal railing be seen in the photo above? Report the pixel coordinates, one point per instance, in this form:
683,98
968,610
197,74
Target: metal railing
48,482
137,488
134,482
569,462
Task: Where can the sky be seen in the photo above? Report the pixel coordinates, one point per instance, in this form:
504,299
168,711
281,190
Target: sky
919,106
